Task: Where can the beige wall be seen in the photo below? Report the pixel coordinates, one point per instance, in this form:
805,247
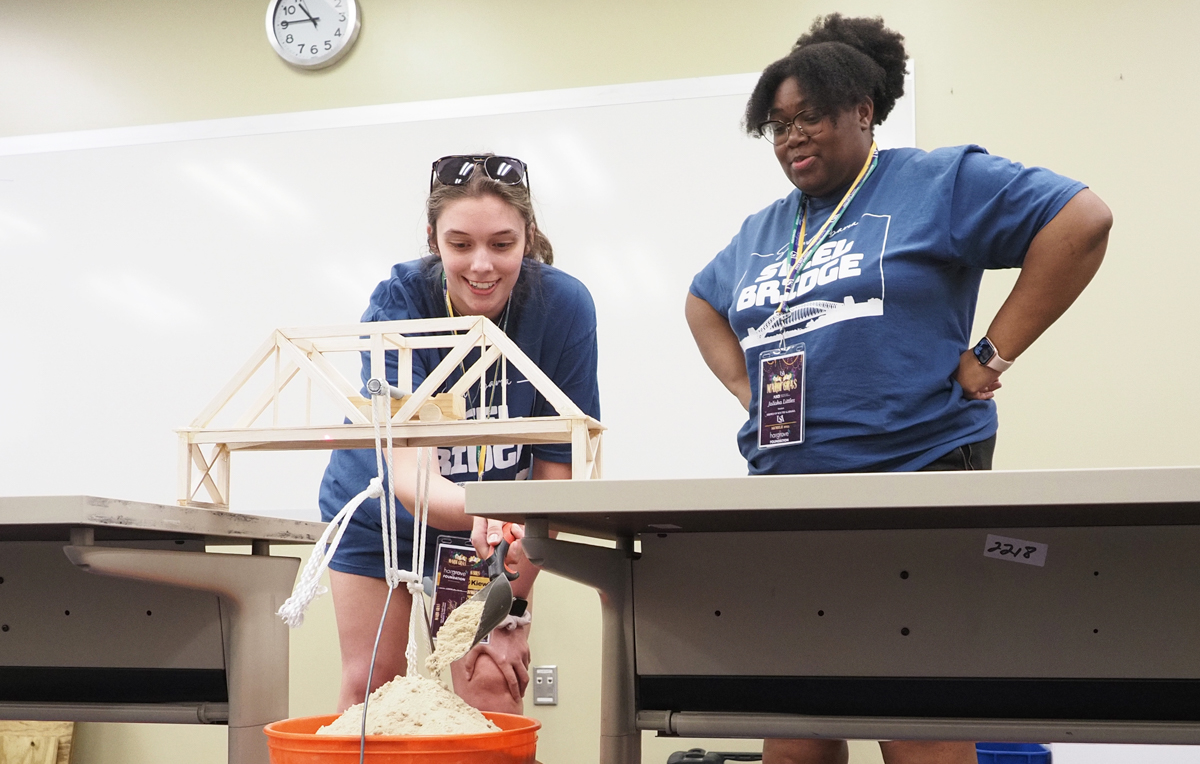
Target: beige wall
1100,90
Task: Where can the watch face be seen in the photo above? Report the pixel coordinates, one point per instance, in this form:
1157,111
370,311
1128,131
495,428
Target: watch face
312,33
984,351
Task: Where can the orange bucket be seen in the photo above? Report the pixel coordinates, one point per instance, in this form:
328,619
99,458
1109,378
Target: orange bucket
294,741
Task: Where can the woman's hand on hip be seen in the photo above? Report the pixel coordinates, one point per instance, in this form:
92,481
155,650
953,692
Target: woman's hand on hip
978,382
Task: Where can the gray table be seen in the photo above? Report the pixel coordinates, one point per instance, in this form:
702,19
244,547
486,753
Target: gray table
114,611
875,605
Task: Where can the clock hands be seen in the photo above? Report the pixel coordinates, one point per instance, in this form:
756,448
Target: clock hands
310,16
285,23
310,20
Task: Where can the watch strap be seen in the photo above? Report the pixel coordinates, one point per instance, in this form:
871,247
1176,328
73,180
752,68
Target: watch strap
996,363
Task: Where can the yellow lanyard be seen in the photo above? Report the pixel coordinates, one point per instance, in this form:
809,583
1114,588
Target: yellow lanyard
801,226
480,453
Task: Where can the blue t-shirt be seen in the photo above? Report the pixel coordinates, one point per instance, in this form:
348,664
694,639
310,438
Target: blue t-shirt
552,319
885,306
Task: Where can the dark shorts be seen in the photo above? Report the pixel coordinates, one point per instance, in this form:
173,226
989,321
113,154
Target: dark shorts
969,456
361,549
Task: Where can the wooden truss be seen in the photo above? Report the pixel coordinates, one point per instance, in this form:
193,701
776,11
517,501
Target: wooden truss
419,417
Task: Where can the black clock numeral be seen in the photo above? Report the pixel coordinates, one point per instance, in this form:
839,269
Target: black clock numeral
314,50
283,24
328,45
300,47
288,40
337,3
341,17
289,10
337,32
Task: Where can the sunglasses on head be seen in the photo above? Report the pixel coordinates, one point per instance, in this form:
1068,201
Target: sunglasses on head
457,169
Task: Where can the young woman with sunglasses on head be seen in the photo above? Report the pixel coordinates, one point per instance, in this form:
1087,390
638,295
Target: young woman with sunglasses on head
487,258
840,315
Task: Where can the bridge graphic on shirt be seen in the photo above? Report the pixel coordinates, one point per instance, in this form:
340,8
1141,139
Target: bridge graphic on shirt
807,316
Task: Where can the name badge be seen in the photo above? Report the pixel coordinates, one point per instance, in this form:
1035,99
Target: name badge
460,573
781,396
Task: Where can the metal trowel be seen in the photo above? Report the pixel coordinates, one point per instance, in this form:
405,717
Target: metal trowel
497,595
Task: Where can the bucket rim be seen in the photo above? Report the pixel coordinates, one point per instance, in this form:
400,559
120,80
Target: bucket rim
530,725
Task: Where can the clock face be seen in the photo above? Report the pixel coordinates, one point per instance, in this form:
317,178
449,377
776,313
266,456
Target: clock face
312,33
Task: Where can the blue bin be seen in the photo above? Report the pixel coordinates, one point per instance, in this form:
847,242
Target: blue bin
1012,753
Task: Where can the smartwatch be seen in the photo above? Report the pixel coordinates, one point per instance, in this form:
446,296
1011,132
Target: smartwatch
985,353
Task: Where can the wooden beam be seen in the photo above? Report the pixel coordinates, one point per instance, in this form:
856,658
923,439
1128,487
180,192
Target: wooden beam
476,371
336,392
405,327
206,479
542,383
243,375
183,466
438,375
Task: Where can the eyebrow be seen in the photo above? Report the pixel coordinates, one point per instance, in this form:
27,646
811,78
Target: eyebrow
510,231
773,112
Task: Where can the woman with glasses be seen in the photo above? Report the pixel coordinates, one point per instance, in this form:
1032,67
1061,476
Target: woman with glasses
487,258
840,315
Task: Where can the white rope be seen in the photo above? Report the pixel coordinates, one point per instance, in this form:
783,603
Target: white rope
420,532
309,587
381,407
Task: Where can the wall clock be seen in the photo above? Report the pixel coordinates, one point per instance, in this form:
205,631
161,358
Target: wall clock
312,34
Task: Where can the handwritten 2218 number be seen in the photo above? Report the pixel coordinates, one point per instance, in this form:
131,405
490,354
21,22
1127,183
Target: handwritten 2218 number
1004,548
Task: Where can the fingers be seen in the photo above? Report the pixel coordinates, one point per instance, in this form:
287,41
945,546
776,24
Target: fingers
985,393
977,382
521,663
468,661
486,535
479,527
508,671
515,677
495,532
522,672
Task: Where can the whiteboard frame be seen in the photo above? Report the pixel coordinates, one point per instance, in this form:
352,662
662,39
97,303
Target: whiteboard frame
903,120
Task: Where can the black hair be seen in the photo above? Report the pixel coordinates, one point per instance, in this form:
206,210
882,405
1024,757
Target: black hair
838,64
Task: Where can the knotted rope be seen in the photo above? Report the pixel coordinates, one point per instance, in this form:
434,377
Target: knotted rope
309,588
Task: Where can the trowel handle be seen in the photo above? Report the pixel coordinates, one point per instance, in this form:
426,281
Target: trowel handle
498,562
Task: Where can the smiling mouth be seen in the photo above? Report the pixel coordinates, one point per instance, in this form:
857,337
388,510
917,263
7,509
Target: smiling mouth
481,286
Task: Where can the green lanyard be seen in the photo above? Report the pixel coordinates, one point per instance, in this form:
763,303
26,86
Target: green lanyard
801,225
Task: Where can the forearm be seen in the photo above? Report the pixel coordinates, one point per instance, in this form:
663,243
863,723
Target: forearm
719,347
446,499
1060,262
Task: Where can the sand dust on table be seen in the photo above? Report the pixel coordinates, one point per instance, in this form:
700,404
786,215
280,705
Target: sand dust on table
412,706
456,636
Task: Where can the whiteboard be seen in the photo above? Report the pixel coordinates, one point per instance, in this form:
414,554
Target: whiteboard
144,265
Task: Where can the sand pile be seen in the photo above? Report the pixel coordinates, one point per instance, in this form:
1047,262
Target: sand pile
412,706
456,636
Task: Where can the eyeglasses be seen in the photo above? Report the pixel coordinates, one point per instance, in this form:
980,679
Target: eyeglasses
807,123
457,169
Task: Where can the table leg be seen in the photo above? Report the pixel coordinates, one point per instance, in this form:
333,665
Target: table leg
609,572
256,648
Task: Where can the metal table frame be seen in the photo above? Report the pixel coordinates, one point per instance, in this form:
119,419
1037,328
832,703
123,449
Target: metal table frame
1123,517
144,547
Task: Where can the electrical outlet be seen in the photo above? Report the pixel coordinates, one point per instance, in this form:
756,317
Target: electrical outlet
545,685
